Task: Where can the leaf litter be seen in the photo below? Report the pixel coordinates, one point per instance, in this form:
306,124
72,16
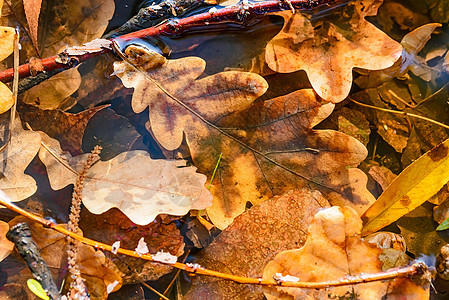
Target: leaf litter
267,146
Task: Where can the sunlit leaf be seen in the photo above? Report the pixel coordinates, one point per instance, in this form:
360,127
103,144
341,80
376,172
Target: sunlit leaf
37,289
5,245
415,185
267,148
329,48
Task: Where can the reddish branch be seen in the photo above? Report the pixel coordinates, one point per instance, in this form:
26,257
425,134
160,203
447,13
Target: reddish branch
173,27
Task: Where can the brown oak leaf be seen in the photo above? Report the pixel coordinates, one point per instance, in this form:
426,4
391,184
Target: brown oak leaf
112,226
67,128
253,239
267,148
328,49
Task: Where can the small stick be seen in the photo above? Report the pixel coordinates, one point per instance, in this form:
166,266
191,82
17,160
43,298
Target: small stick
154,290
405,114
20,235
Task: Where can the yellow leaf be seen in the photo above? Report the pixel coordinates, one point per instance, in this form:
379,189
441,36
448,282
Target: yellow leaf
6,41
6,98
415,185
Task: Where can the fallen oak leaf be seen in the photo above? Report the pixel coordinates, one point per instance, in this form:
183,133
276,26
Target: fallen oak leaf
159,235
7,35
6,246
140,187
67,128
329,49
253,167
15,158
412,187
334,250
253,239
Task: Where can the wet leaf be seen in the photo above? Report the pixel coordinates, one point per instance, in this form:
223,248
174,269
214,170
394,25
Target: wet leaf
92,263
5,245
67,128
32,10
267,148
415,185
329,49
253,239
334,249
159,235
15,158
53,92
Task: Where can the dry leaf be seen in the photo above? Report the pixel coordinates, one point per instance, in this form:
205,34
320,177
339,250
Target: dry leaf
142,188
67,128
53,92
32,10
158,235
5,245
329,49
382,175
92,263
333,250
415,185
266,149
253,239
15,158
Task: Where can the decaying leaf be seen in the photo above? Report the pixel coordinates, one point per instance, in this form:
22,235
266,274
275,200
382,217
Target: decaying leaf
333,250
253,239
32,10
415,185
329,49
267,148
159,235
76,23
92,263
5,245
67,128
142,188
53,92
15,158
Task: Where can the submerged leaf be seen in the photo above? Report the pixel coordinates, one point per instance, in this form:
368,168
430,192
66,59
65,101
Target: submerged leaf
267,148
329,49
415,185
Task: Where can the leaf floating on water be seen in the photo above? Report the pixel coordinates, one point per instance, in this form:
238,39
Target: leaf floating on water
328,50
142,188
415,185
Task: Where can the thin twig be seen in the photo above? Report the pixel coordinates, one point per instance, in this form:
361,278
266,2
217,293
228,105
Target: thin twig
415,270
405,114
154,290
176,275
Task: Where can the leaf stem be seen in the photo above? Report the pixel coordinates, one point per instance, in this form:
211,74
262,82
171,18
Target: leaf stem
417,269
